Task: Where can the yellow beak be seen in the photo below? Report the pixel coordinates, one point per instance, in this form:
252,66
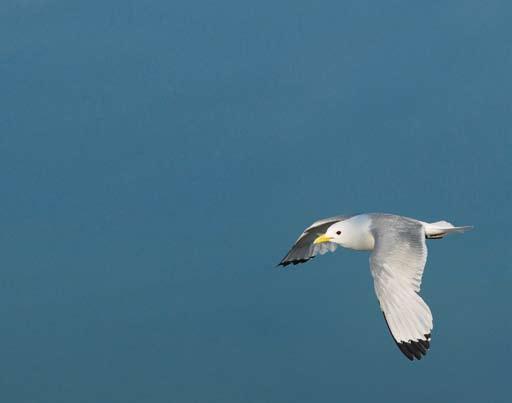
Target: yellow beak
322,238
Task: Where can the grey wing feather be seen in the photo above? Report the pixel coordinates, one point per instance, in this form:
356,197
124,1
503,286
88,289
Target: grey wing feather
397,264
304,249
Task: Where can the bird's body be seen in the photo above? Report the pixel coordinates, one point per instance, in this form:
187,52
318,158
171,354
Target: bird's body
398,257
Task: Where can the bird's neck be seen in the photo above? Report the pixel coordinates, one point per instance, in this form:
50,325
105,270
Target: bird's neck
359,234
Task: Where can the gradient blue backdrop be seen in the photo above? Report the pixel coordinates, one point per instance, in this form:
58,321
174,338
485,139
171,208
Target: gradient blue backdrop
158,158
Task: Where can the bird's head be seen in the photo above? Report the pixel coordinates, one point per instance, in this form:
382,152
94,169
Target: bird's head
336,233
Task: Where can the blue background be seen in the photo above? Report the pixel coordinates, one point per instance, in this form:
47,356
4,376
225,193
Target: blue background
158,158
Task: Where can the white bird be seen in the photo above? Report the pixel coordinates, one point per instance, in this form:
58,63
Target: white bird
398,257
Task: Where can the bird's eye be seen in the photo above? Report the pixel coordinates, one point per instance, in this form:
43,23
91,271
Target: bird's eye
338,232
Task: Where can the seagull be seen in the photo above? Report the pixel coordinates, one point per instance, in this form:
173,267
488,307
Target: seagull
397,260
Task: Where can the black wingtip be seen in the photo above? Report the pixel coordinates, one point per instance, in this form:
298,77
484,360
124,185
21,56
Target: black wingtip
405,351
285,263
412,349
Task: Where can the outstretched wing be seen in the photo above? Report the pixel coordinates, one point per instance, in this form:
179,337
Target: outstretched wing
397,264
304,249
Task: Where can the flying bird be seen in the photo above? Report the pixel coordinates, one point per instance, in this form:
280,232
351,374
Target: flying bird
397,259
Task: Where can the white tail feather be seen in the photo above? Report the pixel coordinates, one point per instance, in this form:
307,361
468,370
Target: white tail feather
439,229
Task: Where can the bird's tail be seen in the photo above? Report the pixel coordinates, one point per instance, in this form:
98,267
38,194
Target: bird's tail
439,229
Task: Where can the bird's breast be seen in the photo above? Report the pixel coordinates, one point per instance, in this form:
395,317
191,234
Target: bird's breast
363,242
361,237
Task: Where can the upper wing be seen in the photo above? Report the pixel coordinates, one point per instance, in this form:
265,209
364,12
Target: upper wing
397,264
304,249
